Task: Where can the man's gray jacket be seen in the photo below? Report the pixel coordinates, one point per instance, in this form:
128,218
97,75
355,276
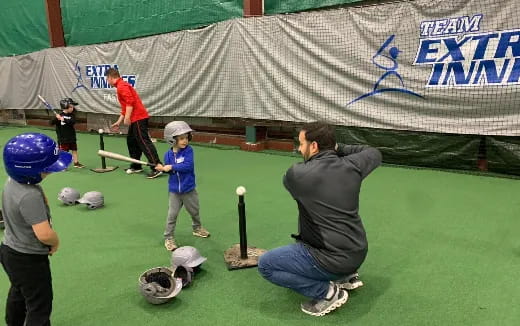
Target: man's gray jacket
326,188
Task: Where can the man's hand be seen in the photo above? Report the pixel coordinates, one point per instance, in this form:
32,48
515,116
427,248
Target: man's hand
115,126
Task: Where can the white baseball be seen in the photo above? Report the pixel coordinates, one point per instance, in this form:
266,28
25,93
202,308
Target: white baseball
100,131
241,190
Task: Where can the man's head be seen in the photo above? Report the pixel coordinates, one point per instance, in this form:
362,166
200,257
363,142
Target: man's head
112,75
315,137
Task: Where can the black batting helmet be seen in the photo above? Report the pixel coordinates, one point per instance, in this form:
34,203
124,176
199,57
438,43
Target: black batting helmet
64,103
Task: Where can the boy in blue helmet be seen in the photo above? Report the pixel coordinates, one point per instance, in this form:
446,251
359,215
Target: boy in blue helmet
28,236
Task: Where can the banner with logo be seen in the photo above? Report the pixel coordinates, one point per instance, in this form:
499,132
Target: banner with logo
434,66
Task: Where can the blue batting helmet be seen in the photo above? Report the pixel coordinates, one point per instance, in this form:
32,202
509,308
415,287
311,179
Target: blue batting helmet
28,155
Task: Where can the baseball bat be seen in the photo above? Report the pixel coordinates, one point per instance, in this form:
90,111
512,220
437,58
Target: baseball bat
120,157
47,105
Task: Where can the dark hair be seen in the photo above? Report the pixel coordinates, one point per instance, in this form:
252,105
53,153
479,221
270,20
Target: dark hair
189,136
112,72
322,133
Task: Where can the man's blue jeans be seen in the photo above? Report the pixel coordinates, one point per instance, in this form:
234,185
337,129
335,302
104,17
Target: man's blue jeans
293,267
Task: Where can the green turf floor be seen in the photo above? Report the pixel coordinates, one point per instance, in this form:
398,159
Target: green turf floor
444,247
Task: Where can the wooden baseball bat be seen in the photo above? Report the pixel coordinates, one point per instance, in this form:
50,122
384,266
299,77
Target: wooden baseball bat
120,157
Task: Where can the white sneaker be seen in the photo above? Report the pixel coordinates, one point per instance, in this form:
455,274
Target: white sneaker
350,282
324,306
132,171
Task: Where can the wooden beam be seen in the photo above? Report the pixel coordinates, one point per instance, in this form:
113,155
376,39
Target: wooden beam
54,22
253,8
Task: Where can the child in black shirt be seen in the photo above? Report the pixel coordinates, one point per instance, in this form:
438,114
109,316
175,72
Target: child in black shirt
65,129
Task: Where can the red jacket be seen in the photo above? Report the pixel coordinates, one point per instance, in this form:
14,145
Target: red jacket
127,96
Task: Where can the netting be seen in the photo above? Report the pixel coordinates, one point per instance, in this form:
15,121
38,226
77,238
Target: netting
429,66
13,117
429,82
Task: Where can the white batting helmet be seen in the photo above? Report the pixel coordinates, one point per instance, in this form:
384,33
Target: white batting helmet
69,196
174,129
158,285
93,199
184,260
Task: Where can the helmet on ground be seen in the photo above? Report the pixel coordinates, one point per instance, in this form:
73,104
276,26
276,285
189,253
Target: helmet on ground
184,260
69,196
185,274
187,256
28,155
93,199
158,285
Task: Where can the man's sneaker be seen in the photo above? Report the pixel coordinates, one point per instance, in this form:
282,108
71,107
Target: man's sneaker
154,174
350,282
132,171
201,232
170,244
78,165
324,306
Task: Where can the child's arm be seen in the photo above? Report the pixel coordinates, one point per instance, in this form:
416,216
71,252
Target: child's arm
55,119
46,235
167,167
188,164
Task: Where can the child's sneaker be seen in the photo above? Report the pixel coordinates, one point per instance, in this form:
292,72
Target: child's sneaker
154,174
78,165
170,244
132,171
324,306
201,232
